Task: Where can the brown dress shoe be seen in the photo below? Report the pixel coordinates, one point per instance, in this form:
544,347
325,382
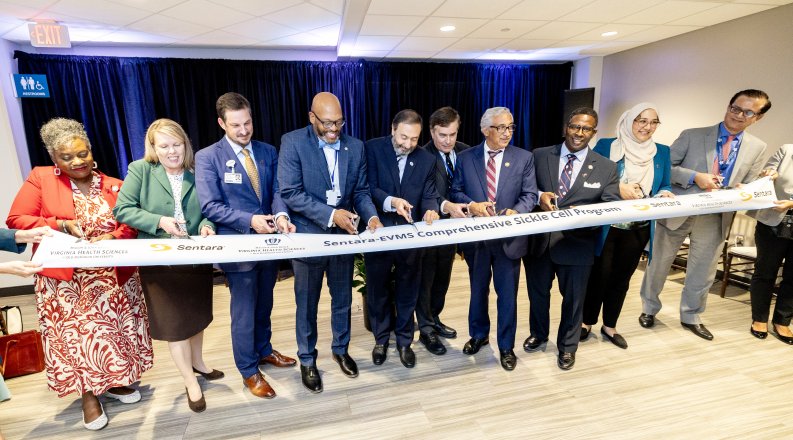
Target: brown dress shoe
259,387
278,360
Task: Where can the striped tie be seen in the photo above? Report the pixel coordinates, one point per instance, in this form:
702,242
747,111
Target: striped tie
566,178
253,173
491,175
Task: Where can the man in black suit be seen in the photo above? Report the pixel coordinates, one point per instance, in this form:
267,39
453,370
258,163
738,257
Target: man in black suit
568,174
402,183
436,266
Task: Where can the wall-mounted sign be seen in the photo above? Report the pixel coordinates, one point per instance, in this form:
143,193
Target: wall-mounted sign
28,85
49,34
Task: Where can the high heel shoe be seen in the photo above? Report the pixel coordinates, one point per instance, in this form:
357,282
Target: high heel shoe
786,339
199,405
757,333
212,375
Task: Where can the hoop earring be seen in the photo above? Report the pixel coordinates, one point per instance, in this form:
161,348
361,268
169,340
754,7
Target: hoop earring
56,171
96,165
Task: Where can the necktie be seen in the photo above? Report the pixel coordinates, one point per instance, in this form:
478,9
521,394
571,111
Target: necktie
253,173
401,165
566,179
726,147
449,165
491,175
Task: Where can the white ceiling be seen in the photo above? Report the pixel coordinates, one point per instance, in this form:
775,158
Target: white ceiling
541,30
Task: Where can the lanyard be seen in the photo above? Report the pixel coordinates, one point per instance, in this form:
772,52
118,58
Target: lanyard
333,173
730,158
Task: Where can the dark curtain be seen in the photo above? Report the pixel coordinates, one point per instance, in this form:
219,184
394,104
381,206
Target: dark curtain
117,98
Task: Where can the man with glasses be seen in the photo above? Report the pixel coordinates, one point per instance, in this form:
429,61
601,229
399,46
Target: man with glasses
322,179
495,178
704,159
568,174
436,265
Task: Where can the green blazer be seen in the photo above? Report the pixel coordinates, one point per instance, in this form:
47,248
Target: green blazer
146,196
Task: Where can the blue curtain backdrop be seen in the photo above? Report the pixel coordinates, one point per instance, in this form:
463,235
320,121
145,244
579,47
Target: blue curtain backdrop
117,98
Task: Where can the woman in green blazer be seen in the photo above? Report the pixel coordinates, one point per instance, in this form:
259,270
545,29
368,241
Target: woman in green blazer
159,199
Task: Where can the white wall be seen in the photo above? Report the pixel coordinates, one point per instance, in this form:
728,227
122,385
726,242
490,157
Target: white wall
692,77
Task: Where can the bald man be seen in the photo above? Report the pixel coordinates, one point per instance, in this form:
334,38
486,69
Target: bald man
322,179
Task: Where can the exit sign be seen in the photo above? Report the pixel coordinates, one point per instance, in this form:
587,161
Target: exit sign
49,35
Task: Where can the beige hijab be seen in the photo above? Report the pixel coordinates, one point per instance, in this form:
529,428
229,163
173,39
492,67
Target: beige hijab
638,155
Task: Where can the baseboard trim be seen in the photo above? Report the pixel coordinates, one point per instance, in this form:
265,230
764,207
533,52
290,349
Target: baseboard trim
16,290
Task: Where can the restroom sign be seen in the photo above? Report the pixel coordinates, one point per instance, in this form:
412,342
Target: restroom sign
28,85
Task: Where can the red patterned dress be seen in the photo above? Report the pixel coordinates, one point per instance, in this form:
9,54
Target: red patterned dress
95,331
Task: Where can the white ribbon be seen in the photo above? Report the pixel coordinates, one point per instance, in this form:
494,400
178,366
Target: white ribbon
63,250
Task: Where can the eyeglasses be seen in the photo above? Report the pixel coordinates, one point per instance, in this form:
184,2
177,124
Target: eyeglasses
330,124
502,128
586,129
734,109
646,122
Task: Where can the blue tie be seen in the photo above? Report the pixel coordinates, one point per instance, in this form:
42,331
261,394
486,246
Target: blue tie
566,179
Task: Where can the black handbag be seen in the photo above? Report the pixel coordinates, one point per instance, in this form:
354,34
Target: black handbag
785,228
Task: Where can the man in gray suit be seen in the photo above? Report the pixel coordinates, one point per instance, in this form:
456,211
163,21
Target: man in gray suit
703,159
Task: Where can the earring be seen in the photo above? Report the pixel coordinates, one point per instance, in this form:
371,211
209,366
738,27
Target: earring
56,171
95,165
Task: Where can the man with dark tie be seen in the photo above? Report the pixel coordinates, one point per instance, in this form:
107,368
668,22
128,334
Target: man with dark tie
704,159
322,179
495,178
236,185
568,174
436,266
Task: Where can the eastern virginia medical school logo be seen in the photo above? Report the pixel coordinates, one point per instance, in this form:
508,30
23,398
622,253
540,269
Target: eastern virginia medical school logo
272,241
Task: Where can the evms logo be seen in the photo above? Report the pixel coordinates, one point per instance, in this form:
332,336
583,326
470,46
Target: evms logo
272,241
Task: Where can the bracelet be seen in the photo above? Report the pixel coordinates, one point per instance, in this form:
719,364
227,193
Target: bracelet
63,226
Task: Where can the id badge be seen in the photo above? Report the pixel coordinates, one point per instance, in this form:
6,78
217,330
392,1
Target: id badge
333,197
233,178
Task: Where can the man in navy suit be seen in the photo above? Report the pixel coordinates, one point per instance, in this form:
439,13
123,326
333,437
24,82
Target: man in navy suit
436,264
322,178
402,183
568,174
237,187
495,178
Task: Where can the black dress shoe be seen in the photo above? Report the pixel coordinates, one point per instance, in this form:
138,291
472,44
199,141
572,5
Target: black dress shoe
699,330
347,364
406,356
757,333
565,361
432,343
533,343
444,330
473,345
311,378
786,339
617,339
379,353
646,321
508,360
584,333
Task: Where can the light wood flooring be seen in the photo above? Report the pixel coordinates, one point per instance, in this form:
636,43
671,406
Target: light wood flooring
668,384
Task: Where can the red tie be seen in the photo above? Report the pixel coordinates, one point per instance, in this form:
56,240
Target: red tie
491,175
726,147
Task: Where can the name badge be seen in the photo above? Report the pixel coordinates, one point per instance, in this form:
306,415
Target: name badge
233,178
333,197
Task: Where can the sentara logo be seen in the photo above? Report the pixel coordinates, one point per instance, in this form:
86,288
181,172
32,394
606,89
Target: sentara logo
641,207
745,196
272,241
160,247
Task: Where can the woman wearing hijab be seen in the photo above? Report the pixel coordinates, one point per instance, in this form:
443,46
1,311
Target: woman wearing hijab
645,170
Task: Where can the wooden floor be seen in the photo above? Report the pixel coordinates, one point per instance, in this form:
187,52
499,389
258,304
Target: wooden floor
668,384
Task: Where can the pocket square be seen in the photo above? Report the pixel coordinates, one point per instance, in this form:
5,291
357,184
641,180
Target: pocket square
592,185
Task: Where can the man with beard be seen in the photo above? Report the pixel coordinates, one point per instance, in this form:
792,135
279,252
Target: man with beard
436,265
322,178
495,178
568,174
402,183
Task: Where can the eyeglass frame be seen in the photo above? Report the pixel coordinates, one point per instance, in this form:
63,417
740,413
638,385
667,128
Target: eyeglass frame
734,109
330,124
584,128
500,129
651,123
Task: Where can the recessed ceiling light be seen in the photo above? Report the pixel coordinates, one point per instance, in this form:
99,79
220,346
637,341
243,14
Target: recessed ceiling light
608,34
447,28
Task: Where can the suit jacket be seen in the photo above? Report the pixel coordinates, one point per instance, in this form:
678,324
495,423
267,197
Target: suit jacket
417,185
517,187
694,151
303,179
443,183
146,197
45,198
232,205
8,243
662,170
782,162
574,246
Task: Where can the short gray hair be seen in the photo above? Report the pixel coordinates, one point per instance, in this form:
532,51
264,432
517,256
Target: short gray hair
58,132
490,114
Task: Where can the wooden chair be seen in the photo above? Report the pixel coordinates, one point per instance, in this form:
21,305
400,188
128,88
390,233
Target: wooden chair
744,267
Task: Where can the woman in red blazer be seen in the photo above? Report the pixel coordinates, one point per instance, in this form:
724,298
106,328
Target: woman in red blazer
93,320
